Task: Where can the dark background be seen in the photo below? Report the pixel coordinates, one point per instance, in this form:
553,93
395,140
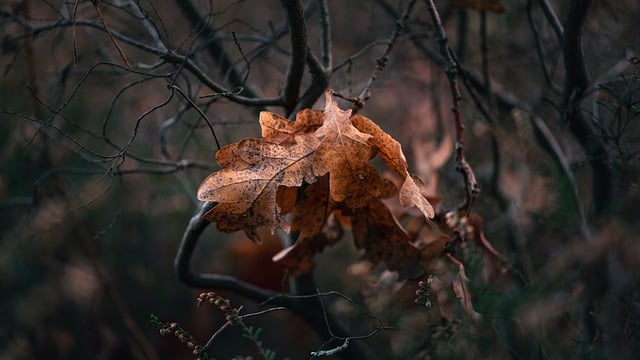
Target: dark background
100,163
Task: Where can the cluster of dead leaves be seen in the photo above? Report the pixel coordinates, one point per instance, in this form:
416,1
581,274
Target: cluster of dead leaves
317,172
318,169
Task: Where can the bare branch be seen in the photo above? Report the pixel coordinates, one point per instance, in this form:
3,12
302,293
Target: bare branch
553,19
219,89
217,51
182,264
307,307
325,37
451,70
536,37
319,83
197,109
381,62
298,35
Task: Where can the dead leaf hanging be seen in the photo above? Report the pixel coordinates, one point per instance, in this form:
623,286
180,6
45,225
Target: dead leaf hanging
247,193
344,153
391,152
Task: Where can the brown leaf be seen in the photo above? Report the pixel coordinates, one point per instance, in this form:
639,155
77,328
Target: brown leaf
344,153
411,195
391,152
493,265
376,231
279,130
286,198
388,148
298,259
433,249
461,290
246,190
315,219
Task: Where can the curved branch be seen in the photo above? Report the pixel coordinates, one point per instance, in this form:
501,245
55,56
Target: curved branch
309,308
182,264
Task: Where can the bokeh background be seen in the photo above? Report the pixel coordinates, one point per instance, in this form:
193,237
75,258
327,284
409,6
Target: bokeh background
101,160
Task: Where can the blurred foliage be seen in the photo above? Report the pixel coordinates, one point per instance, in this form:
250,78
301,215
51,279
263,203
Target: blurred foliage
95,193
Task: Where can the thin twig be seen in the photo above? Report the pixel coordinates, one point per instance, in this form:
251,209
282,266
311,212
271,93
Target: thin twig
382,60
244,57
451,70
96,5
151,29
197,108
538,42
217,51
553,19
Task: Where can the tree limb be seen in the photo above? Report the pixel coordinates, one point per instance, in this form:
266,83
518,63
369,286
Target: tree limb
298,36
309,308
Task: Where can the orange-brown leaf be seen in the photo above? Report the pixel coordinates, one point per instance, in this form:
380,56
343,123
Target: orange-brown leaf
247,194
388,148
344,153
298,259
313,218
377,232
461,290
391,152
279,130
286,198
411,195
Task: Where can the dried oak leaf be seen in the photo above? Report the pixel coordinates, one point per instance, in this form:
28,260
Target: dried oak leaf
390,151
314,218
247,186
280,130
376,231
344,152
